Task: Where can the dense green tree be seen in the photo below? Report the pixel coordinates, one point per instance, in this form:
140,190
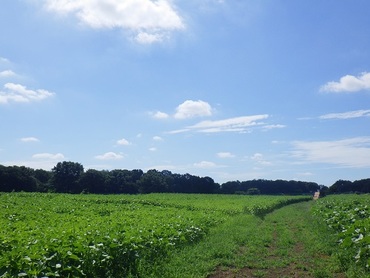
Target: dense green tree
17,178
70,177
124,181
153,181
43,179
66,177
362,186
94,181
230,187
341,186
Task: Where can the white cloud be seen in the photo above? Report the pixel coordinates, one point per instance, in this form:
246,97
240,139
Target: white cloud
347,115
48,156
259,159
348,83
225,155
7,73
29,139
123,142
191,108
109,156
160,115
352,152
19,93
268,127
152,149
257,156
205,165
238,124
147,38
157,138
149,21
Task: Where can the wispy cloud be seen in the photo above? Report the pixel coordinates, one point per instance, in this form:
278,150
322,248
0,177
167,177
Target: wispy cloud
19,93
268,127
157,138
237,124
348,83
346,115
225,155
205,165
260,160
48,156
148,21
4,60
29,139
352,152
109,156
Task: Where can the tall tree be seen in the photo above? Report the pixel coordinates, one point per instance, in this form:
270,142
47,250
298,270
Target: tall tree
94,181
66,177
153,181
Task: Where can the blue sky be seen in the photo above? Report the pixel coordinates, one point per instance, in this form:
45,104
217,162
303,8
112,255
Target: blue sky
231,89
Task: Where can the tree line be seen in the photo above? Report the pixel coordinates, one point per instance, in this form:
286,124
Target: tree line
70,177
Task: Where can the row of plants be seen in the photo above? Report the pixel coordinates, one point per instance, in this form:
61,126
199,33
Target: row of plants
62,235
349,217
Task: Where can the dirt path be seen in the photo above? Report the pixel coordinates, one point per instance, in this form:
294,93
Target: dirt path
285,245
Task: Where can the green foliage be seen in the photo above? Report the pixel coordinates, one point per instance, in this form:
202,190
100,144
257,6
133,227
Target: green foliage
60,235
66,176
349,217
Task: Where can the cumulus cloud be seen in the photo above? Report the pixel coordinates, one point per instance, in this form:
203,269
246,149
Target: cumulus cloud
48,156
149,21
123,142
346,115
225,155
160,115
191,109
352,152
19,93
29,139
7,73
109,156
348,83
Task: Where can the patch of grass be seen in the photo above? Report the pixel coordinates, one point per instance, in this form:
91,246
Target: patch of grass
286,243
222,247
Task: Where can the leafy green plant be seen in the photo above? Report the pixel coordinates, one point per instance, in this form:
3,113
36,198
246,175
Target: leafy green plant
349,217
62,235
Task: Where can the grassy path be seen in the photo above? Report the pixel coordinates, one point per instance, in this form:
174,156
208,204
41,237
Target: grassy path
286,243
289,244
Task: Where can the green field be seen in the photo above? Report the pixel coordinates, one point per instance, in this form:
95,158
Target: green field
173,235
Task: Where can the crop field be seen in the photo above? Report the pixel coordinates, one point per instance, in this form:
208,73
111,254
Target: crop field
348,216
183,235
59,235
